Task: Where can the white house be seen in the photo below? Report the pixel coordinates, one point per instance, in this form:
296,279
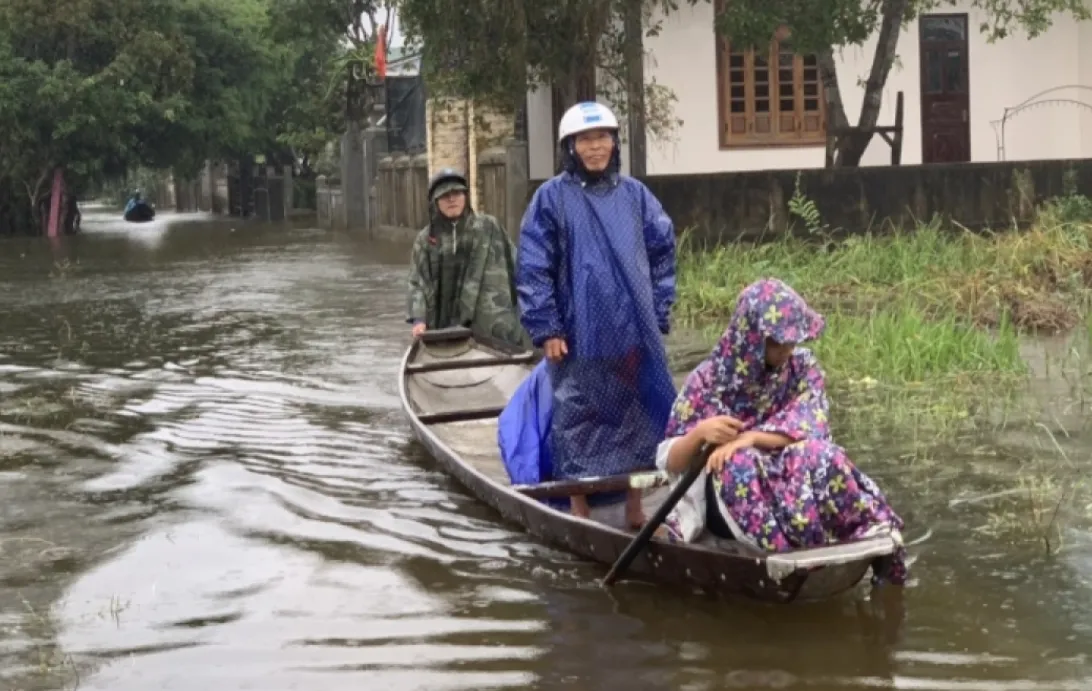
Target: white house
739,114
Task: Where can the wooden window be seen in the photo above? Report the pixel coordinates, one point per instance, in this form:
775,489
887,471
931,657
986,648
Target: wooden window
769,99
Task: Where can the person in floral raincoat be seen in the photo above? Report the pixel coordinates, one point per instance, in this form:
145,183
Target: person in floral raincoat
775,478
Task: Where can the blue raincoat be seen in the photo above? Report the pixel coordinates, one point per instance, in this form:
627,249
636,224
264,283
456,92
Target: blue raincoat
596,266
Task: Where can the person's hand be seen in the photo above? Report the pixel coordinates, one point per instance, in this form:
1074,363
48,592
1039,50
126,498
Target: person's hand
555,349
723,453
418,329
719,430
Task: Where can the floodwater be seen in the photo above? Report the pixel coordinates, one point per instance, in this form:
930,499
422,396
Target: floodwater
206,483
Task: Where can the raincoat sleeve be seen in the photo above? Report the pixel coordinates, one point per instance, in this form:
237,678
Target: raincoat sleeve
805,416
416,305
537,270
660,245
489,270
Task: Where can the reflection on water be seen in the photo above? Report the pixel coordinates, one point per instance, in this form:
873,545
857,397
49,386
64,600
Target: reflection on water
206,482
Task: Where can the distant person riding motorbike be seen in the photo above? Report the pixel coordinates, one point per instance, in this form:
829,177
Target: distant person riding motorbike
462,268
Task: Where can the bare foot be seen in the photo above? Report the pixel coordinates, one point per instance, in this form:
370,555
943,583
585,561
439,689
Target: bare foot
635,513
579,506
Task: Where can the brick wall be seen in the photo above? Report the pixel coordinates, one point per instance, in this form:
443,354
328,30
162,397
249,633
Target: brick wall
458,132
446,126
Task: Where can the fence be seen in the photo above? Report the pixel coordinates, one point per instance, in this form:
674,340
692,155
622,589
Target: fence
399,193
262,191
403,191
208,192
725,207
329,205
757,205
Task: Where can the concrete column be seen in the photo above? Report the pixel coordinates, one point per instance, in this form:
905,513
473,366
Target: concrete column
322,202
289,190
352,177
517,175
375,148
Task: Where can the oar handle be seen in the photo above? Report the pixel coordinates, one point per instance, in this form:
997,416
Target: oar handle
593,485
638,543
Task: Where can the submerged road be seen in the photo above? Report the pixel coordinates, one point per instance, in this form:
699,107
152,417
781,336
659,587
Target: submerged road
206,483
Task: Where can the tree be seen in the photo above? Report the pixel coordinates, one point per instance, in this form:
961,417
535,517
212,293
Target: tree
94,87
493,51
330,64
821,27
347,30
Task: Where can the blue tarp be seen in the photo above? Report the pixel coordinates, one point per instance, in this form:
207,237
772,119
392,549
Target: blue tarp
586,255
523,434
523,430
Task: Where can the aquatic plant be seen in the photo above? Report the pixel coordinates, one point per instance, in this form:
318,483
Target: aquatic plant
910,305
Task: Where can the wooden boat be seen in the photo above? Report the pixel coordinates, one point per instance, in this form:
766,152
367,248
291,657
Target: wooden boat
453,387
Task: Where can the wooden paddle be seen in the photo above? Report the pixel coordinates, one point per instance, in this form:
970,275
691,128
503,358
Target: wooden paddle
638,543
594,485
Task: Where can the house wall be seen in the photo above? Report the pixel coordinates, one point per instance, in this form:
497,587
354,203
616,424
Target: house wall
1084,76
540,133
683,58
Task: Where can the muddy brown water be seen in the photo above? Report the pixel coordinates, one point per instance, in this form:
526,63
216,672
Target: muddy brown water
206,483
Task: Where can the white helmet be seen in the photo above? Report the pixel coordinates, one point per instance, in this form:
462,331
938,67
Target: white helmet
585,116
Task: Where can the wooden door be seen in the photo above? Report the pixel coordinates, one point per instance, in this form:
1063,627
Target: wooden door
945,89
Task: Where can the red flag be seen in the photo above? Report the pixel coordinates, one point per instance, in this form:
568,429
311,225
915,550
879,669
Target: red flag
381,51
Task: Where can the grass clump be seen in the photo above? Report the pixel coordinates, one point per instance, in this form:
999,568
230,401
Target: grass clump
910,306
923,325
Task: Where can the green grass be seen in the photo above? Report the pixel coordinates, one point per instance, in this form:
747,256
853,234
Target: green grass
909,306
923,326
927,333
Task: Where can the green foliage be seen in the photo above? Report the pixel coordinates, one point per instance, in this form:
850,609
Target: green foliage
102,87
98,86
328,48
167,83
494,50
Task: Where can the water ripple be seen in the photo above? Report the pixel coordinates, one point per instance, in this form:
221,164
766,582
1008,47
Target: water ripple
206,483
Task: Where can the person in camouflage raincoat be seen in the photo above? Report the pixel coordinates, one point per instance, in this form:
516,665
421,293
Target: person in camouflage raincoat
462,268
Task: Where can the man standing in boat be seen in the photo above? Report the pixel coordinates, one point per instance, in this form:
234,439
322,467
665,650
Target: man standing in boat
596,283
461,268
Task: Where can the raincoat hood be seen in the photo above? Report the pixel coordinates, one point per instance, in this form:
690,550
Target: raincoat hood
444,187
438,221
768,308
734,379
571,163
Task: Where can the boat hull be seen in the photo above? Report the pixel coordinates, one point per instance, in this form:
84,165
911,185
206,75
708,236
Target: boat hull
452,411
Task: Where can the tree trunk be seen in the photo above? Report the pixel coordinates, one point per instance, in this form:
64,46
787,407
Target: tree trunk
39,203
519,106
851,147
634,53
586,21
70,214
836,110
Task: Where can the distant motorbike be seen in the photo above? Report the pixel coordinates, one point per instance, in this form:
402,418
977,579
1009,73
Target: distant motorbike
138,211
